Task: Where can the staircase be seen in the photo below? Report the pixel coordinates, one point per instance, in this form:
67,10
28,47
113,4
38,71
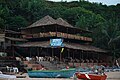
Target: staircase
31,65
10,62
52,65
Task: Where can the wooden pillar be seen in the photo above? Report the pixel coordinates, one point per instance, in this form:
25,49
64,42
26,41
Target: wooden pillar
87,54
82,55
52,52
79,55
93,58
74,58
13,50
98,58
60,56
47,51
67,32
43,31
30,51
56,30
74,33
68,53
87,58
4,45
38,51
73,55
12,42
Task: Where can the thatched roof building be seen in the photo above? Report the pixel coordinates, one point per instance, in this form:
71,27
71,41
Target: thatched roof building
40,34
46,24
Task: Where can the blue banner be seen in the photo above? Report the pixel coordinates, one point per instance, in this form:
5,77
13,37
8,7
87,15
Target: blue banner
56,42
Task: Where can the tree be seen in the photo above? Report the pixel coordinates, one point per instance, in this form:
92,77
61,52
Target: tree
73,14
112,37
4,14
16,22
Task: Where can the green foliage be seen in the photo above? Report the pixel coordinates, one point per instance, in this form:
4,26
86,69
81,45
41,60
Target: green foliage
112,37
73,14
90,22
16,22
2,23
4,14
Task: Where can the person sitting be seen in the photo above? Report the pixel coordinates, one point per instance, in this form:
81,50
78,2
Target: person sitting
18,58
102,70
15,70
87,60
43,68
67,67
37,58
41,59
28,58
8,68
91,60
96,71
0,72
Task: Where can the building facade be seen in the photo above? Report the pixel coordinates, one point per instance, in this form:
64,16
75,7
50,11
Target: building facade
74,45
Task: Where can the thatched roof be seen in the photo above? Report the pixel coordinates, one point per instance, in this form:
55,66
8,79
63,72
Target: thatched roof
62,22
15,39
12,32
84,47
47,20
46,44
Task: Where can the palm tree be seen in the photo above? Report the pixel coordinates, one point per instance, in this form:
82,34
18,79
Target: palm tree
112,35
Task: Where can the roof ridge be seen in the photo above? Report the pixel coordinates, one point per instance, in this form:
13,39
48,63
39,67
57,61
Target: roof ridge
61,21
47,20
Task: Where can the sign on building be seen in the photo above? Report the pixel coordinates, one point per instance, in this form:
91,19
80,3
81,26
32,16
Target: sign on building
56,42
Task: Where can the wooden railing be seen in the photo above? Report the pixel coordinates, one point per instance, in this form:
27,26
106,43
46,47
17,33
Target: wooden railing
57,34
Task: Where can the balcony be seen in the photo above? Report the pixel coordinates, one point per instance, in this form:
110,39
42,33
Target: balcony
57,34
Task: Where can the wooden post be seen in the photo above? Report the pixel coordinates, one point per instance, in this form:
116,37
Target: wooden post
98,58
60,56
12,47
52,52
93,58
73,59
80,58
56,30
67,32
30,51
43,31
68,53
47,51
4,46
13,50
80,55
38,51
73,55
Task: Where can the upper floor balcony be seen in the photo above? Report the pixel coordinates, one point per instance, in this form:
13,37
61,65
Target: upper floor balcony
57,34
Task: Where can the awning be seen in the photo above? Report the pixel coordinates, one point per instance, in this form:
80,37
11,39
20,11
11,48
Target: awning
46,44
83,47
15,39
